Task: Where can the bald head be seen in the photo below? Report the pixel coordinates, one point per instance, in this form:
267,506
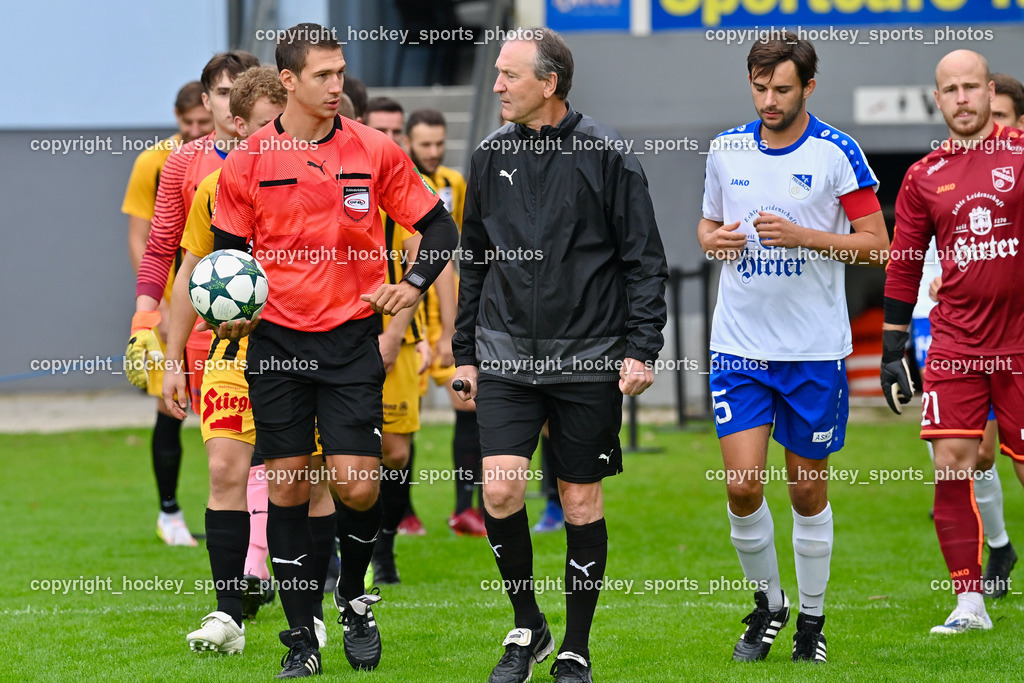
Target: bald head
964,91
961,62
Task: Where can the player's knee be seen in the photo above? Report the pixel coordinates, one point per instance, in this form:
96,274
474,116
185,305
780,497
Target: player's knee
581,504
745,497
395,459
986,456
808,498
502,498
359,495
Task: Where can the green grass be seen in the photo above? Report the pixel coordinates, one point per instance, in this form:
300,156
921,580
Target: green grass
84,505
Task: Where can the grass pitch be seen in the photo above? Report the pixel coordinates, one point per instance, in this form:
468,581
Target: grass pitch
83,506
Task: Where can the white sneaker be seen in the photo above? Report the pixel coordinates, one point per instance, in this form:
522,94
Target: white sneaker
219,633
171,529
321,632
961,620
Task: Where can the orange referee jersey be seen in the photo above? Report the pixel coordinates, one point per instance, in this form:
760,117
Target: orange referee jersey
311,212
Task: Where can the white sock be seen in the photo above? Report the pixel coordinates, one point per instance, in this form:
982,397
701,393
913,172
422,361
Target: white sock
753,537
931,451
812,550
988,493
972,602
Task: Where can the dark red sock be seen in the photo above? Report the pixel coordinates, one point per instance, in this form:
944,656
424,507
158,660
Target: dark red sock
958,525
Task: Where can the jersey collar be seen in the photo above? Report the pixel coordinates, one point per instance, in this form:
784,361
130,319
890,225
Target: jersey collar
812,124
337,126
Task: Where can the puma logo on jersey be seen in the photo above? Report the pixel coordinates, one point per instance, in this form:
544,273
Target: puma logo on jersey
506,174
607,457
377,432
584,569
320,165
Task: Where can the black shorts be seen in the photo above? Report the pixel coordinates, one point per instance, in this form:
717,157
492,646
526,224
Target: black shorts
584,421
330,380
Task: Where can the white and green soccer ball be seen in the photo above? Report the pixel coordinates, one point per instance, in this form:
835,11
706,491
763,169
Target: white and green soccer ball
228,285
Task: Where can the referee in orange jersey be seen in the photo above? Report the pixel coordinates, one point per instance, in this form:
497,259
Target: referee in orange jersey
307,196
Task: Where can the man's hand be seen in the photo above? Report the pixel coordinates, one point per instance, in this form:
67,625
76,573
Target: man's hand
933,289
390,299
423,348
443,351
236,329
775,231
389,349
174,390
143,349
725,243
634,377
468,375
896,384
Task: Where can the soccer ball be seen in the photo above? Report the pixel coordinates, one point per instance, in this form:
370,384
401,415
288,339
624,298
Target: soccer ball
228,285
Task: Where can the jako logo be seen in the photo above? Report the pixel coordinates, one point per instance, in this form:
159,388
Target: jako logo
738,181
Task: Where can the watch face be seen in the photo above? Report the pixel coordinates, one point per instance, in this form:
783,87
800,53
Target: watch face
416,280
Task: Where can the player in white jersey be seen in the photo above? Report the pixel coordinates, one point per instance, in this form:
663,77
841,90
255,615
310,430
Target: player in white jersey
780,195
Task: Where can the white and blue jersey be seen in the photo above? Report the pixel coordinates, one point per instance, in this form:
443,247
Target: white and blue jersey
775,303
781,327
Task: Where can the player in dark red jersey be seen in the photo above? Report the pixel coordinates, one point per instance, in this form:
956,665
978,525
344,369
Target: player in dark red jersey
307,195
967,195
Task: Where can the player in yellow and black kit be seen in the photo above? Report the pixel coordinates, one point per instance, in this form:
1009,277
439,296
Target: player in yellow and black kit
194,121
402,335
425,134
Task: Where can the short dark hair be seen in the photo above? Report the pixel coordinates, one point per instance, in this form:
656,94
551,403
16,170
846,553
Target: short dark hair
295,43
233,62
382,104
553,56
1012,88
428,117
345,107
189,97
356,91
766,55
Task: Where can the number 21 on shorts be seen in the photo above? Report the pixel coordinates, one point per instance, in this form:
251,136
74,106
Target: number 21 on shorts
930,399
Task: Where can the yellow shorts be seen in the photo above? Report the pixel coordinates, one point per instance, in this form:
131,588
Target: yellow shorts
401,393
224,408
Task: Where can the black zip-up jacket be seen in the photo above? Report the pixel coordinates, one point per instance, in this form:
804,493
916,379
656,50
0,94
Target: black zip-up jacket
562,267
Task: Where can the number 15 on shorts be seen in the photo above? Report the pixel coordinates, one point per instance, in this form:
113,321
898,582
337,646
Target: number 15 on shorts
726,414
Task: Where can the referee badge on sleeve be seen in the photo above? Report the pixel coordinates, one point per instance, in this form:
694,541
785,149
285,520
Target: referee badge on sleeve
357,202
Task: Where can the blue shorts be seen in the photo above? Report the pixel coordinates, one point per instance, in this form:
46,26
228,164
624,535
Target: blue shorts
921,333
807,401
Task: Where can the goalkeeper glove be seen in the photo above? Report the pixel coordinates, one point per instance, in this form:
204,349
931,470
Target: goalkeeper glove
896,384
143,348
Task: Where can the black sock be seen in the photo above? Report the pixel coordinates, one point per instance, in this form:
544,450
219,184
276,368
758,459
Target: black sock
586,554
394,498
466,454
513,552
322,530
357,532
408,477
227,540
166,447
289,539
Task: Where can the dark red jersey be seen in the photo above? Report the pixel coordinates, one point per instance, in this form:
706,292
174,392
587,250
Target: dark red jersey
972,201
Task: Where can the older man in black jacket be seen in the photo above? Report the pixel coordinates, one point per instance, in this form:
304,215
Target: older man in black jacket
561,307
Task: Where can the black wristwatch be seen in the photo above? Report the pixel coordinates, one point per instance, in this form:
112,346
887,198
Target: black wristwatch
416,280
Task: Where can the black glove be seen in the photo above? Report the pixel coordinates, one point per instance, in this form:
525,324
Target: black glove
896,384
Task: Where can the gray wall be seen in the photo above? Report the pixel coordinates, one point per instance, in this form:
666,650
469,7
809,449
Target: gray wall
67,286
